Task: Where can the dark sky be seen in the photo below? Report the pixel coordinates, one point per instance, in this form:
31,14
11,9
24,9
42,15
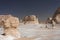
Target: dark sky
42,8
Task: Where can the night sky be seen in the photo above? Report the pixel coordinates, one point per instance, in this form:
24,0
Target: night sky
42,8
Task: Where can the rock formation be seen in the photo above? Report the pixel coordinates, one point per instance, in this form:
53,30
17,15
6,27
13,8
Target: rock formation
56,16
3,18
51,21
31,19
9,21
55,19
10,24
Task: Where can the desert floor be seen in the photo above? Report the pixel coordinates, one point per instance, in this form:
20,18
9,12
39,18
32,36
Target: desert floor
38,32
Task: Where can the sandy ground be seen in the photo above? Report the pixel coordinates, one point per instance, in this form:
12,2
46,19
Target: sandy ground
24,39
39,32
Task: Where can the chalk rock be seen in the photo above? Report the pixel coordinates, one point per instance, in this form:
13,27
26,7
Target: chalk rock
11,22
58,18
3,18
56,15
31,19
13,32
49,20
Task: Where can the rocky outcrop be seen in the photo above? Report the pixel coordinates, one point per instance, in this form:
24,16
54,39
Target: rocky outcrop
56,16
9,21
31,19
49,20
10,24
3,18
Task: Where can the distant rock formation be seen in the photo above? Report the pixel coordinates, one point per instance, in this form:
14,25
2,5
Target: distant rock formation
51,21
56,16
31,19
10,24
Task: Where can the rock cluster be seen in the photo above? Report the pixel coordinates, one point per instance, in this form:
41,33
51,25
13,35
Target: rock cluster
31,19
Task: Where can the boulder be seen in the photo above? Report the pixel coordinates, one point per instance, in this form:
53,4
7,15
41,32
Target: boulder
3,18
10,24
9,21
31,19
